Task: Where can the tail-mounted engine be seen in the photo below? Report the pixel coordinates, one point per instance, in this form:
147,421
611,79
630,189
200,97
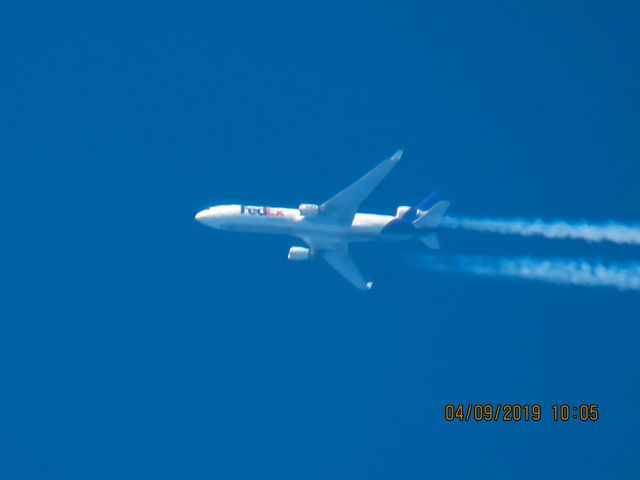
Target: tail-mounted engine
299,253
308,210
401,211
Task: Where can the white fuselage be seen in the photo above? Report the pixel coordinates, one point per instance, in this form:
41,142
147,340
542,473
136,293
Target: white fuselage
289,221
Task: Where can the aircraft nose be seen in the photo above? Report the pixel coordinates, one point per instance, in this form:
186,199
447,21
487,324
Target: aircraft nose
200,216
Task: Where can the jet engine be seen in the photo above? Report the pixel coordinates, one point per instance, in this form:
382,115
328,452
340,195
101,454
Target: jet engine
401,211
308,210
298,253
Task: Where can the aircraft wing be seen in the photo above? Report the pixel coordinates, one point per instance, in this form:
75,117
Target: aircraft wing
342,207
338,257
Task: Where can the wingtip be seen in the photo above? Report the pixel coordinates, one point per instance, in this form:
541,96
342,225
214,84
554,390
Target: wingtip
397,156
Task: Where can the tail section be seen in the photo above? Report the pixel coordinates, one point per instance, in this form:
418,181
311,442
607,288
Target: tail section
433,216
426,214
412,214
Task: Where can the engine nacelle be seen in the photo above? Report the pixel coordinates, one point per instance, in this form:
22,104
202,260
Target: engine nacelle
308,209
401,211
299,253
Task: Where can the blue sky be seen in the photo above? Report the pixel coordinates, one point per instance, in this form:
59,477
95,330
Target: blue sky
134,342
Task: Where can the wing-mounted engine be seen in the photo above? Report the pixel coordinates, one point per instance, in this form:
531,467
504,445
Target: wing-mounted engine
308,210
299,253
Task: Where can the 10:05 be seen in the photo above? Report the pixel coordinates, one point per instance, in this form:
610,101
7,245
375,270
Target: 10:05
584,412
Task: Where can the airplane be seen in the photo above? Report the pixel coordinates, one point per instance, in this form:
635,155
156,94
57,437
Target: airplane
329,228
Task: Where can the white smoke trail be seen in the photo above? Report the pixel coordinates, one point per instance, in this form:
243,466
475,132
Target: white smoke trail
559,271
591,232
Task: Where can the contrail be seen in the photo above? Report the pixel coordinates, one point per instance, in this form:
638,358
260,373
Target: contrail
591,232
583,272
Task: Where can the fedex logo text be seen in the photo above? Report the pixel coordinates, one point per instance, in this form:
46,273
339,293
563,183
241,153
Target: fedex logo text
249,210
262,211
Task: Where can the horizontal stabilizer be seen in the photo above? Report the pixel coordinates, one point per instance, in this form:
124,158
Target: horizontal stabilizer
432,217
431,241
